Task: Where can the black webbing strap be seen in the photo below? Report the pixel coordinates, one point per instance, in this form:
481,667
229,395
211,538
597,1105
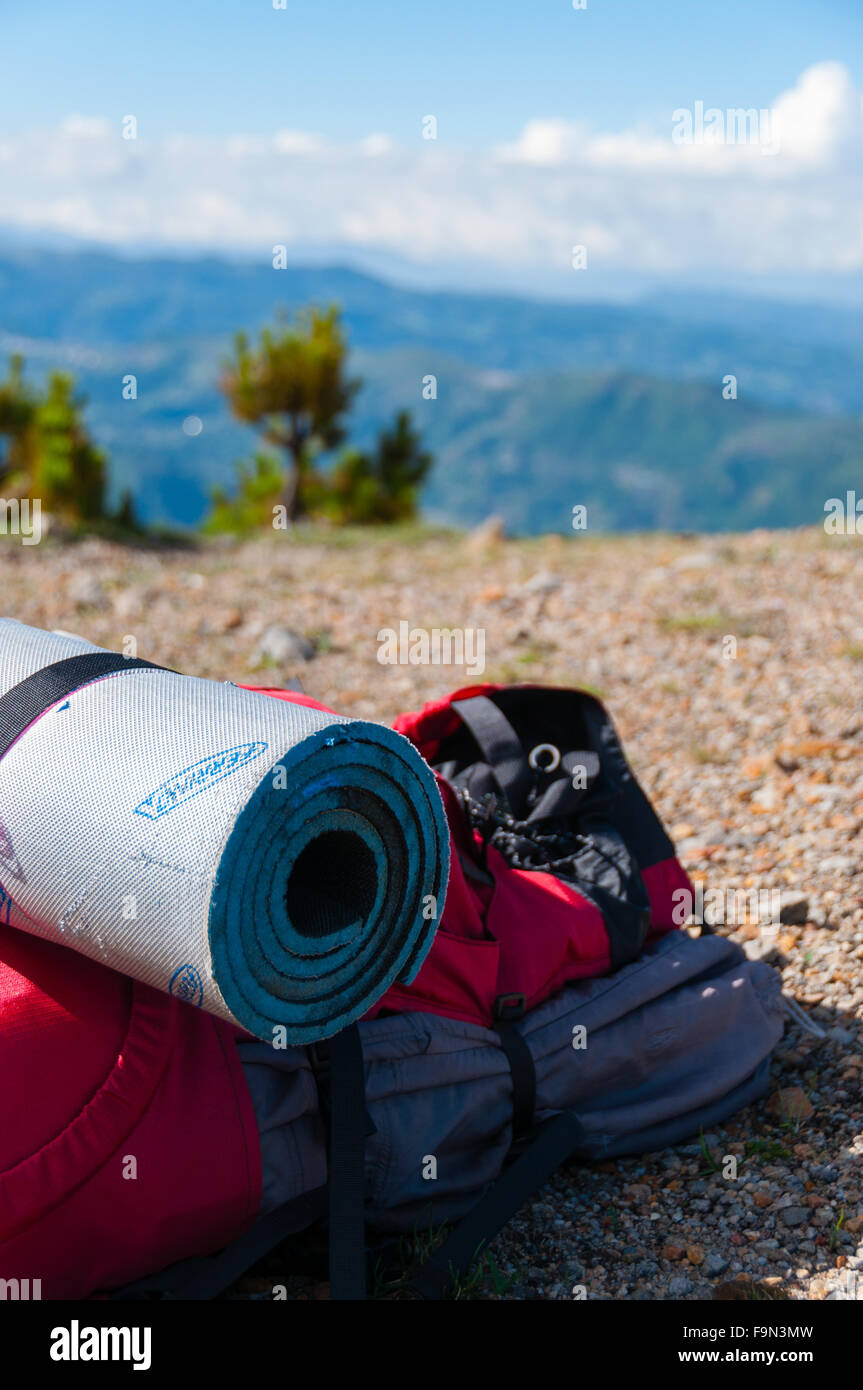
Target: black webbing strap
38,692
507,1009
341,1084
557,1141
499,744
348,1128
210,1275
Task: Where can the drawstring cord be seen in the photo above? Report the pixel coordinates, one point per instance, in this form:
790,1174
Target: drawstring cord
800,1017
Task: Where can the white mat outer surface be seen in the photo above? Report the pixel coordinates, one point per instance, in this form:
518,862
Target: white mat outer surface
146,822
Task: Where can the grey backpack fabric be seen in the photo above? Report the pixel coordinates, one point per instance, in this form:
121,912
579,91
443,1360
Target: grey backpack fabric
678,1040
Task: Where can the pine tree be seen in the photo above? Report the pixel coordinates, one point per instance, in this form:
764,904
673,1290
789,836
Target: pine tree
294,386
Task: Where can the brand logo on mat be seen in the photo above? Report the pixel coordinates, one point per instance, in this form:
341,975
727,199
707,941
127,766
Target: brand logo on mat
197,778
186,985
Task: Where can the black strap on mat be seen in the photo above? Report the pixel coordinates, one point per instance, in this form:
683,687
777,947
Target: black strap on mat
36,693
557,1141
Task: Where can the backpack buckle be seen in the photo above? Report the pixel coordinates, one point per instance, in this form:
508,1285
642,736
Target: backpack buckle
508,1007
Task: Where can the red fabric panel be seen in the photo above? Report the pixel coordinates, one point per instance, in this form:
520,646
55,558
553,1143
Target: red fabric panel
663,881
548,933
97,1070
293,695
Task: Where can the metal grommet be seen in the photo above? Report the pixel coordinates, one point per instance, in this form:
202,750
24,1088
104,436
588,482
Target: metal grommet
533,757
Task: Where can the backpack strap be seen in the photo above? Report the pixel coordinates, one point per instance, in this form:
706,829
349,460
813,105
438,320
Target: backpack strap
210,1275
499,744
508,1008
38,692
347,1169
558,1140
512,767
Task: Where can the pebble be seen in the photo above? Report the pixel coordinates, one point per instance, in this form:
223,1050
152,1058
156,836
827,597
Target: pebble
542,583
791,1103
794,908
280,646
487,535
86,591
794,1216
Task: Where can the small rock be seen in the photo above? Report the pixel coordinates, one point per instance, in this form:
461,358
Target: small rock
762,1199
86,591
639,1192
765,798
756,766
132,602
794,909
714,1264
695,1255
542,583
794,1216
734,1290
226,619
838,863
698,560
281,645
489,533
672,1252
680,1286
791,1103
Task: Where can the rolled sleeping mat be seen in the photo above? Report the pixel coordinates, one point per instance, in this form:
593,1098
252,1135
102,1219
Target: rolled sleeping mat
276,865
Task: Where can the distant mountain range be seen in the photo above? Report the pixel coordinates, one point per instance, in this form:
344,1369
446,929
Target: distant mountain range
540,405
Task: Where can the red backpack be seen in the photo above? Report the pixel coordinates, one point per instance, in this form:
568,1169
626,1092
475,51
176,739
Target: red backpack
560,867
134,1142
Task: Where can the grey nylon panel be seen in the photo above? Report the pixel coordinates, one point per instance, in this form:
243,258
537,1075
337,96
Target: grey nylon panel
678,1039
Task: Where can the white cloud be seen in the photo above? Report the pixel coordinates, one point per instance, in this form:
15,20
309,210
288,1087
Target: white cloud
639,200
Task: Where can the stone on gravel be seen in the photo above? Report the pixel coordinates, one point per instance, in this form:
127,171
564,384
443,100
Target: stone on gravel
791,1103
794,909
794,1216
86,591
279,646
487,535
542,583
673,1252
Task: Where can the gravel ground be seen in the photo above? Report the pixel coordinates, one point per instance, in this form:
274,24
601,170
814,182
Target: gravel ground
732,667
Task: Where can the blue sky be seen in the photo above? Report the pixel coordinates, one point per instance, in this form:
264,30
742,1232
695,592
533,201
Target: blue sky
485,67
301,127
